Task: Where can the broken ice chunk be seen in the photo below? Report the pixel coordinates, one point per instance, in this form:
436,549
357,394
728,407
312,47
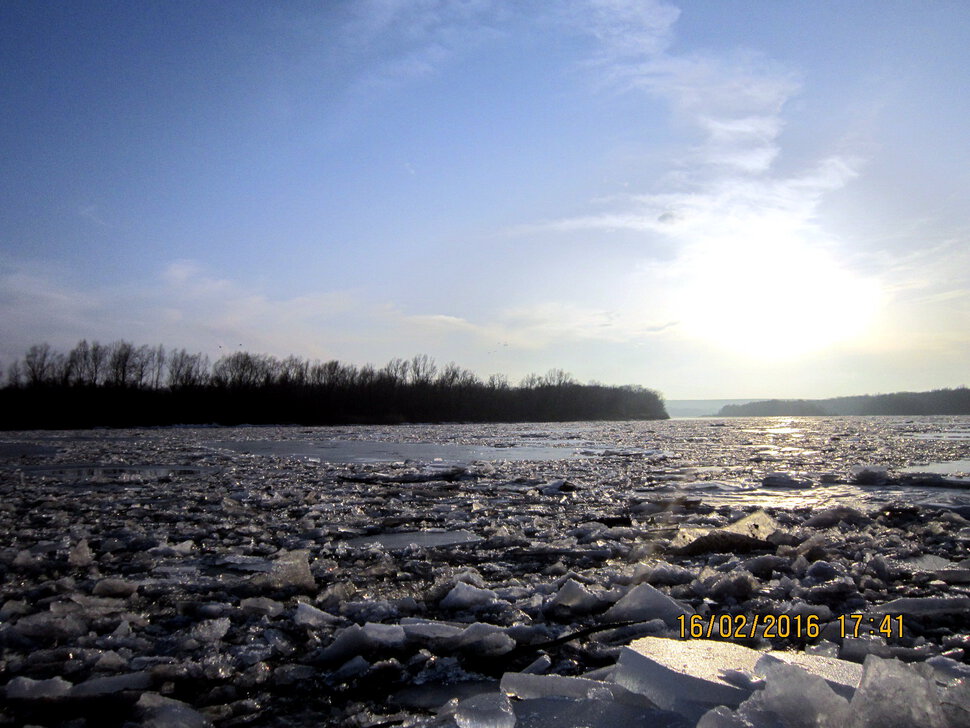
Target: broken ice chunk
925,606
823,571
353,640
160,712
857,648
307,615
565,712
840,675
538,666
384,636
688,676
574,598
25,688
354,667
97,686
262,606
783,480
664,574
348,643
947,669
485,640
466,596
184,548
428,538
927,562
114,588
290,569
894,694
488,710
525,686
833,516
800,699
643,603
868,475
430,632
211,630
757,525
50,627
722,717
13,608
684,676
110,661
746,534
81,554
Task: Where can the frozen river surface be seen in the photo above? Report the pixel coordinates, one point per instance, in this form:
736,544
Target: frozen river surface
369,575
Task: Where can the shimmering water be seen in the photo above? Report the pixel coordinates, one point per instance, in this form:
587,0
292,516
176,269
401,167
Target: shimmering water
733,462
362,451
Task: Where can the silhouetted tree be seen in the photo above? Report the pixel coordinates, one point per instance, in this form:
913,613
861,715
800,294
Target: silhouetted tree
121,384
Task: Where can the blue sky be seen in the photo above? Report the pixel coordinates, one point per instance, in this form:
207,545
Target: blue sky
713,199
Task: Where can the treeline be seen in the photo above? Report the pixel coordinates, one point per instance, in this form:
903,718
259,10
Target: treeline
120,384
936,402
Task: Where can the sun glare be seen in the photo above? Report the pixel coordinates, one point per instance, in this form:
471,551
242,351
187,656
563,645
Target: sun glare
773,296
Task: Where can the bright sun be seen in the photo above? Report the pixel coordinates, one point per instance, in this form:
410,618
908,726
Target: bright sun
772,295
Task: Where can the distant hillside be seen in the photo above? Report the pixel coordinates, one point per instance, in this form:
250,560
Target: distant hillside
936,402
699,407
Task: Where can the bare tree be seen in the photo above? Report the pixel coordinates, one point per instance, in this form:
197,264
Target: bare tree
329,374
157,368
558,378
37,364
422,369
120,361
294,371
97,363
187,370
244,370
395,371
449,376
15,375
530,381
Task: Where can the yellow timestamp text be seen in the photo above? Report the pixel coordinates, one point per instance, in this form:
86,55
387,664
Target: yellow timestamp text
741,626
886,625
784,626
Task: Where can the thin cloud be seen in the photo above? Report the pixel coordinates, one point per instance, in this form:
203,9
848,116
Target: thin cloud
734,103
93,214
413,39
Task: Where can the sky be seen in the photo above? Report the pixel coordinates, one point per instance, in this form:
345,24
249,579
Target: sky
747,199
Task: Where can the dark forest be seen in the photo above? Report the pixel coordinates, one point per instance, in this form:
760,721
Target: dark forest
123,385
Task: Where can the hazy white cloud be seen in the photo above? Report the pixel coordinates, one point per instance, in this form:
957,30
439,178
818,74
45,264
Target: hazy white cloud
544,324
183,306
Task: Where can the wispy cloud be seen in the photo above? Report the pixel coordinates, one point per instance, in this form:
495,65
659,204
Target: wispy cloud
93,214
741,230
407,40
733,103
540,325
627,29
